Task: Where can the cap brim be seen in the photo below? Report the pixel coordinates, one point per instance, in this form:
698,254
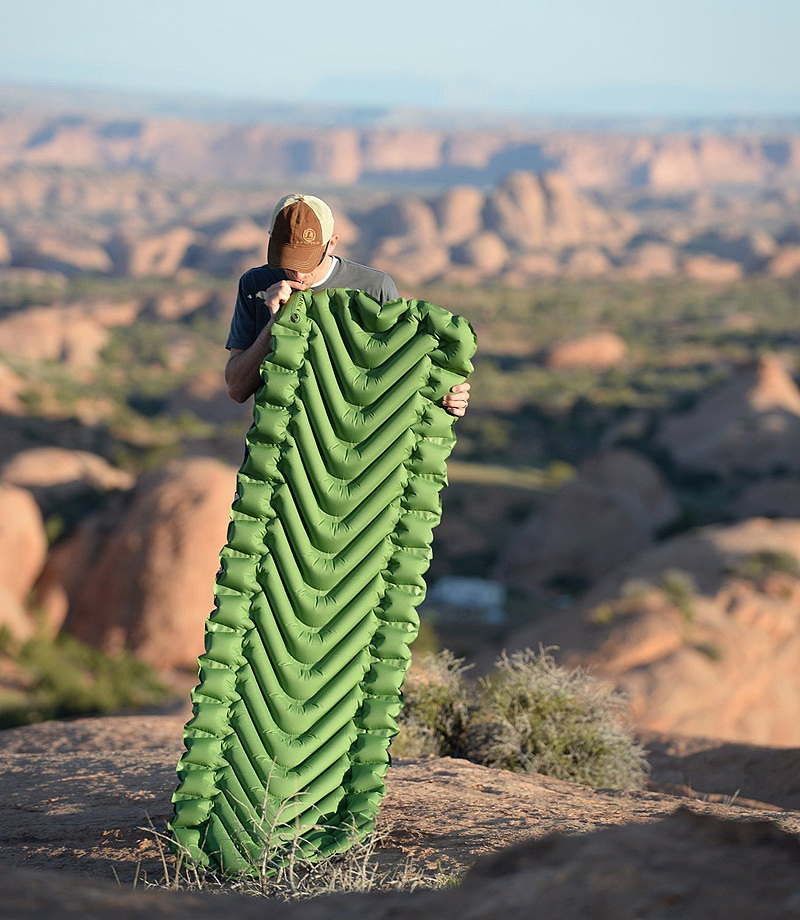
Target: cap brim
296,258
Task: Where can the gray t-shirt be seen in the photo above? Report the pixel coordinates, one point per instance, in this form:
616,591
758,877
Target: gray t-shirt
250,314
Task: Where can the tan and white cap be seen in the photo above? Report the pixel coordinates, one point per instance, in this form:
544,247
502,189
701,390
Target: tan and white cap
300,230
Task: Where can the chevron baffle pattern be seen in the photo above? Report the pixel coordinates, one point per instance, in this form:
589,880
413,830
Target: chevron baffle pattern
315,599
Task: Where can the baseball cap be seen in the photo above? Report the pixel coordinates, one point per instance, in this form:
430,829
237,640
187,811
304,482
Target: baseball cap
300,230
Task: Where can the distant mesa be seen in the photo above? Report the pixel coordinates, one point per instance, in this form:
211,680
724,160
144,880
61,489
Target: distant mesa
521,225
345,155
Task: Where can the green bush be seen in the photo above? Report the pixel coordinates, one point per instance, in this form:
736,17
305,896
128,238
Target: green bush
760,564
530,716
536,717
435,716
63,677
679,588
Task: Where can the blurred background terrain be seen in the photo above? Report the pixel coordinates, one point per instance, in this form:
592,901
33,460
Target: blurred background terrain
626,484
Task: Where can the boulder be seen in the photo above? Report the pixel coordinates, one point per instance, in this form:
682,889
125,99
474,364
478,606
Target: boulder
513,839
53,333
150,587
56,476
598,351
712,268
459,213
749,424
587,262
651,260
773,497
546,211
409,245
613,507
23,547
11,388
485,252
5,249
71,257
517,211
70,562
785,263
411,219
160,255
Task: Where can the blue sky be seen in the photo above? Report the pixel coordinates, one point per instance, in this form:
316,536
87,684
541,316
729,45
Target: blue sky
585,56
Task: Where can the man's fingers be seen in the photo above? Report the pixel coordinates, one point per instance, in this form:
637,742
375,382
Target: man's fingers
460,388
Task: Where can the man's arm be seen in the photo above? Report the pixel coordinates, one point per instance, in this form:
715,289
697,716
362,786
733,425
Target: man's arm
243,370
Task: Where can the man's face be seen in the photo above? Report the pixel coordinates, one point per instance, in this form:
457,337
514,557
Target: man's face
309,279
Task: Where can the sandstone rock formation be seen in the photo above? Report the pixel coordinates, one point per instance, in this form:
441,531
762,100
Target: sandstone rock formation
23,546
773,497
5,249
72,257
651,260
53,333
598,351
760,777
11,388
702,632
459,212
751,423
56,476
712,268
485,251
531,211
150,587
206,396
613,507
587,262
785,263
76,799
276,153
159,255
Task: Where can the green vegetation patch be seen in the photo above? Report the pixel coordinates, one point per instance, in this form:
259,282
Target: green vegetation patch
530,715
58,677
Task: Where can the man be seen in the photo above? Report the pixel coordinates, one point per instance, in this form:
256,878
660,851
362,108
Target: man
300,257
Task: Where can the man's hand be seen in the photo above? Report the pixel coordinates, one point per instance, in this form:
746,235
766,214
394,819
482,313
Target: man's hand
457,400
277,294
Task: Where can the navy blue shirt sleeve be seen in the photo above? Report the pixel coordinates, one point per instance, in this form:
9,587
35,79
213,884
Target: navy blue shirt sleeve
244,328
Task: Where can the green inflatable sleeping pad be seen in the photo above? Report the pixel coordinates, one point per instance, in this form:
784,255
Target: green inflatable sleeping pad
316,595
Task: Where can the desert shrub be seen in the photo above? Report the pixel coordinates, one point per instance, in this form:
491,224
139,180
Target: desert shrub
435,716
760,564
536,717
679,588
530,715
633,596
711,650
63,677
